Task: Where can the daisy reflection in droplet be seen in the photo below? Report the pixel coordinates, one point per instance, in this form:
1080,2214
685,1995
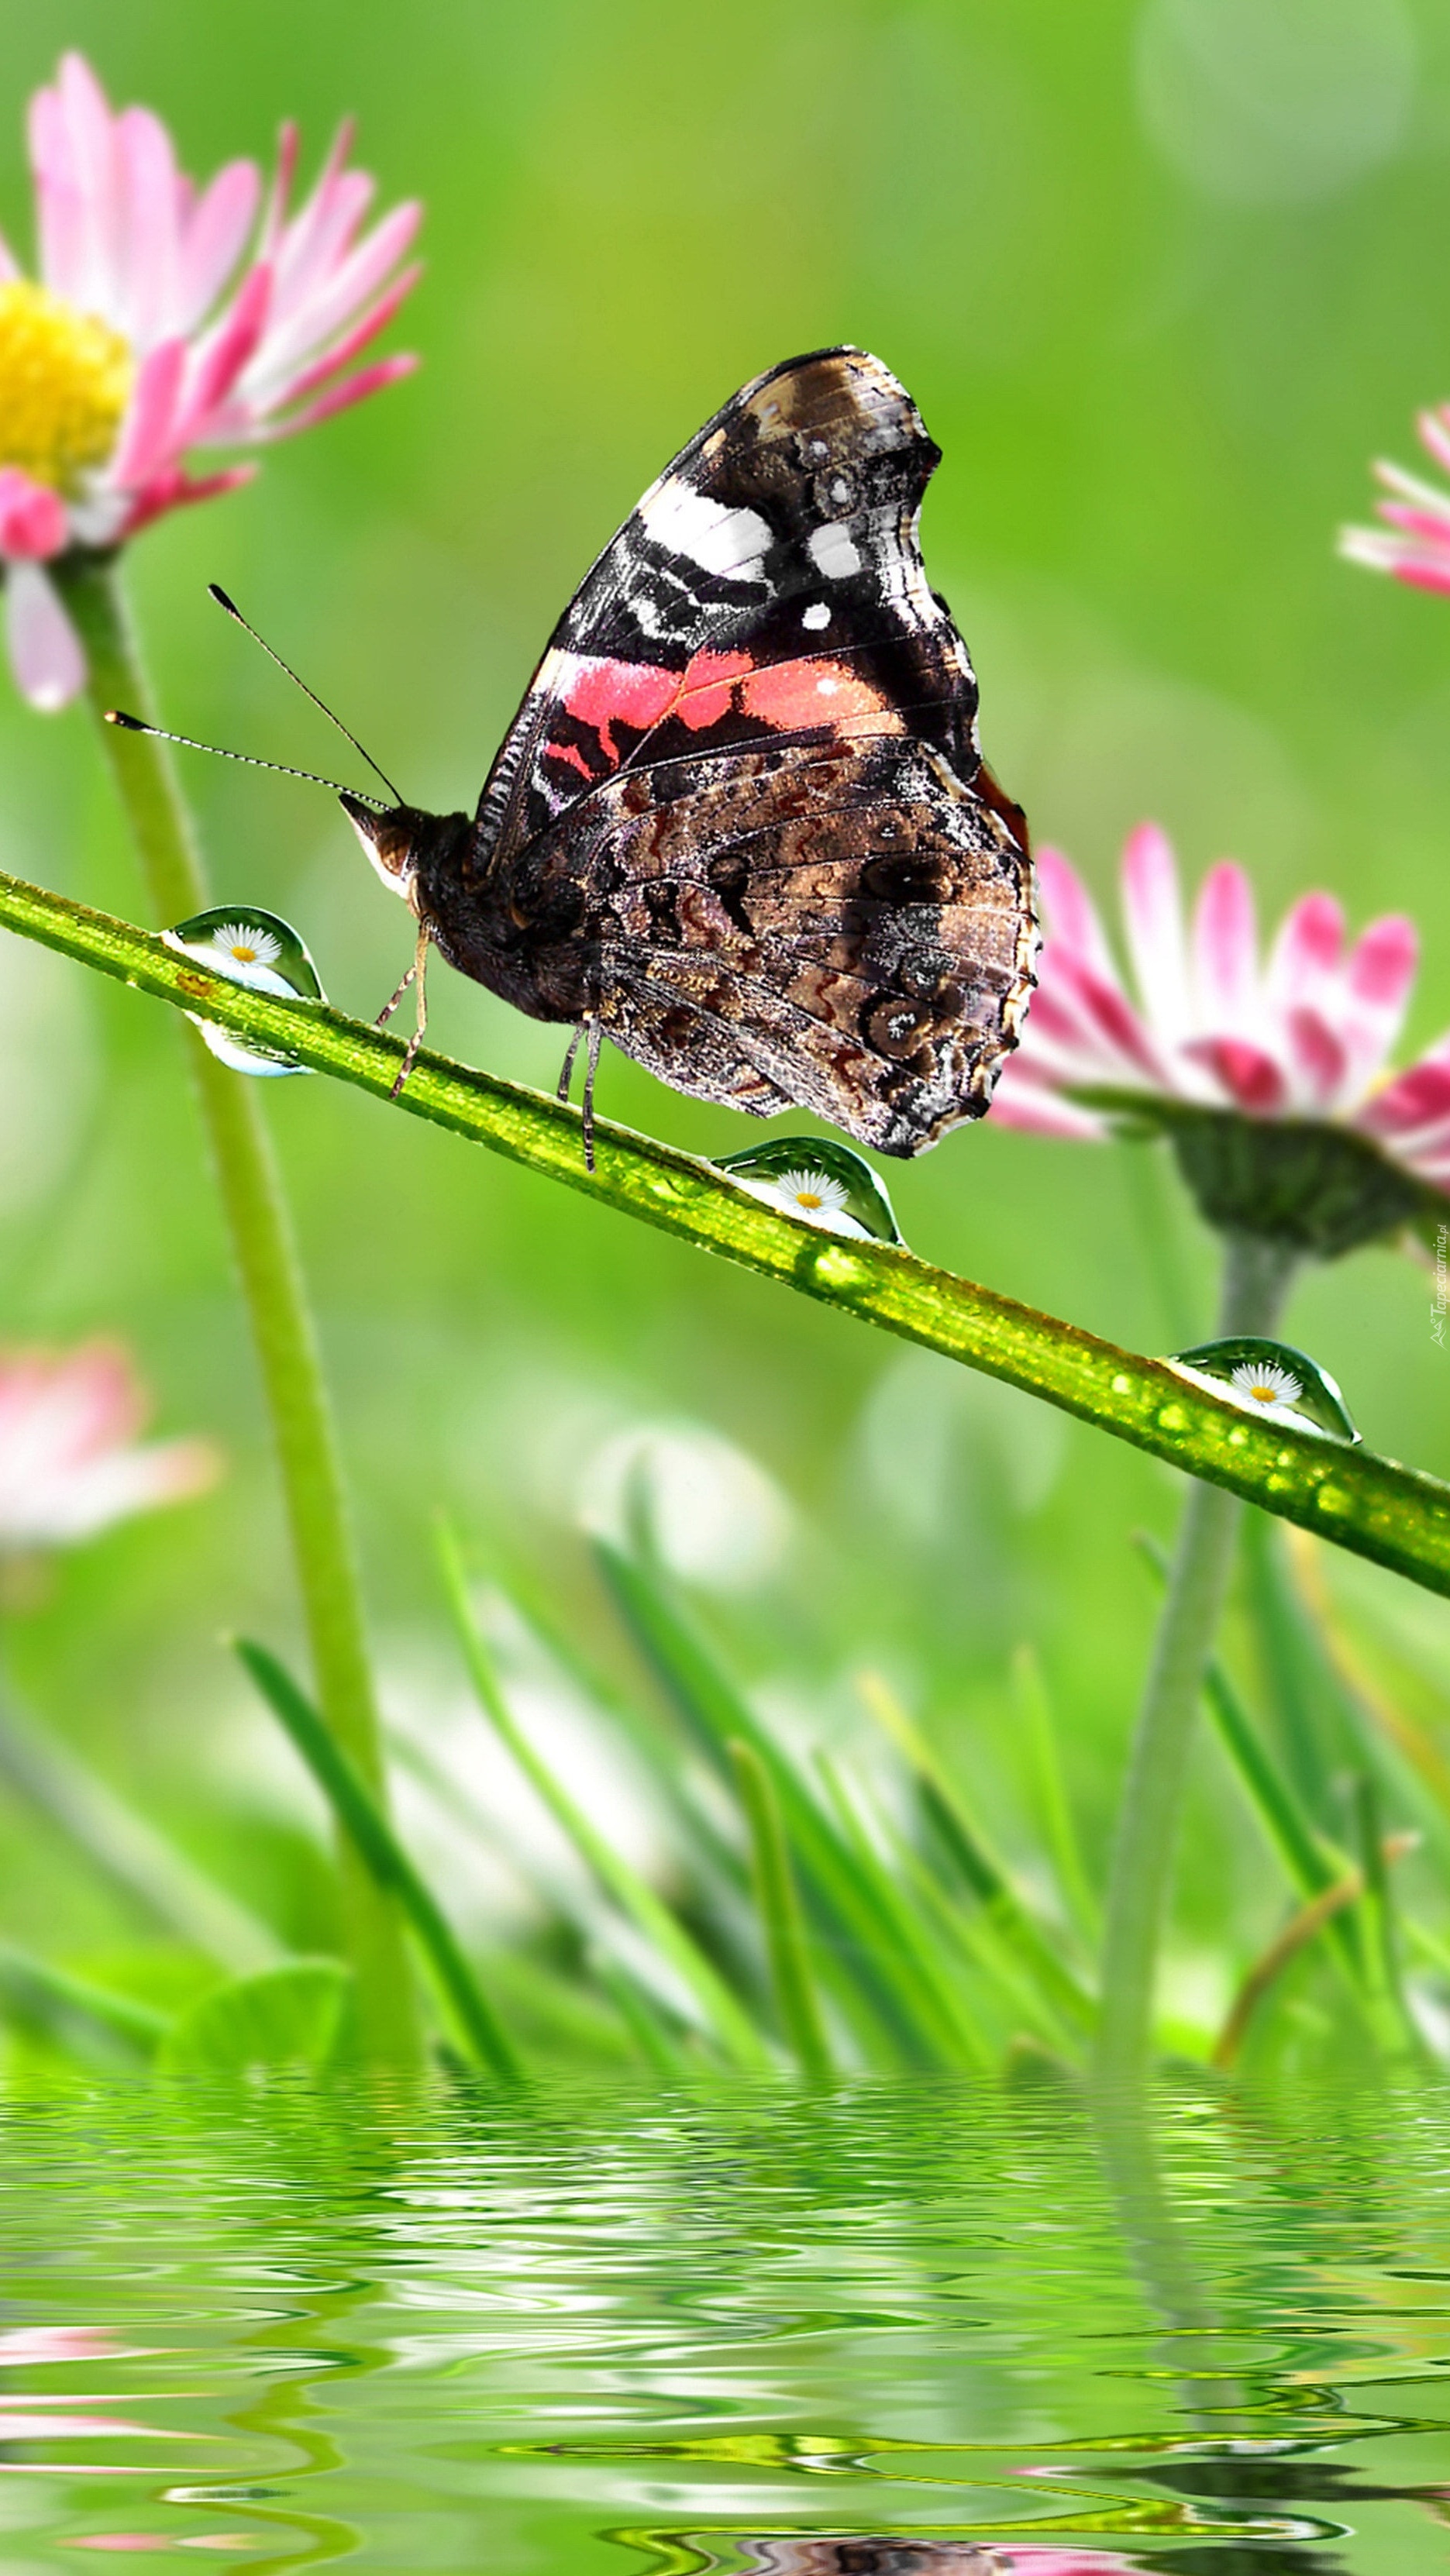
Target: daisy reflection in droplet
815,1195
1266,1385
247,943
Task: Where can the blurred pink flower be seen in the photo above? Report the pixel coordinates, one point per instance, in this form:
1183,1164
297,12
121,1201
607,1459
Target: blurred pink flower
21,2347
1302,1036
70,1464
142,342
1414,543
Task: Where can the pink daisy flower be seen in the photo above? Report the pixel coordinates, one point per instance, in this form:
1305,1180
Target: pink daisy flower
1414,543
149,338
70,1463
1301,1036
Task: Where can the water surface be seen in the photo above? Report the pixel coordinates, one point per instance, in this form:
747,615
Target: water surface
902,2329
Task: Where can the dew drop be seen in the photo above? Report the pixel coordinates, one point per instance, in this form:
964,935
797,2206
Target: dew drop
1279,1383
1171,1417
243,945
819,1181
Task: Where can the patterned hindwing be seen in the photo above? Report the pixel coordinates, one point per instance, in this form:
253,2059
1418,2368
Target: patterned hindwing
845,927
769,585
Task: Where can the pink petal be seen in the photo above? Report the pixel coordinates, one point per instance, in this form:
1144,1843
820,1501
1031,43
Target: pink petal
1307,949
1111,1015
221,360
1405,560
214,238
303,324
1021,1101
148,436
1384,962
1422,572
368,380
1319,1057
1435,435
176,491
89,144
1225,948
1434,524
372,322
32,517
45,653
1153,920
274,220
1416,1096
1071,913
1251,1079
148,248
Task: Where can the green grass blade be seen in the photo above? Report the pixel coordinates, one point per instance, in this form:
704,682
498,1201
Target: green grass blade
859,1945
915,1948
779,1908
130,1850
727,2020
984,1873
653,2038
361,1818
37,1996
1396,2020
1035,1707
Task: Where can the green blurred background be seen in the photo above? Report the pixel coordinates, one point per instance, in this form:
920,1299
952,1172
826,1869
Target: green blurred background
1162,278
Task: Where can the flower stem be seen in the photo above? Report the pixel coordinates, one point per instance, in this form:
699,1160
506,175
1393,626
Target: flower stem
282,1329
1257,1273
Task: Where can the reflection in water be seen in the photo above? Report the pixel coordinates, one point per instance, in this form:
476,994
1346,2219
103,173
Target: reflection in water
865,2557
883,2330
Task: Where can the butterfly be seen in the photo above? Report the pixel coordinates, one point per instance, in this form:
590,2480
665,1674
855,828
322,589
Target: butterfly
740,824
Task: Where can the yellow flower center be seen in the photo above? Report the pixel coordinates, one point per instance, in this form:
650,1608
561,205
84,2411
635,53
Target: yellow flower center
65,380
245,956
1264,1394
809,1198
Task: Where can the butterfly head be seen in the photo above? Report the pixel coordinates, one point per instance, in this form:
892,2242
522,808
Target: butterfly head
402,841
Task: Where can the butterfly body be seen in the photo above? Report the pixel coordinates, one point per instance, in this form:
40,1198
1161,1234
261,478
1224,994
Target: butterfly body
741,824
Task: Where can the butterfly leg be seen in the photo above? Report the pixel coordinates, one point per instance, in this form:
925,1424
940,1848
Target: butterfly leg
418,973
567,1076
386,1013
591,1063
591,1067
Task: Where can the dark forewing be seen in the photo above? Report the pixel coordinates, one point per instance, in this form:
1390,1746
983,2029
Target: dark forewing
845,927
769,585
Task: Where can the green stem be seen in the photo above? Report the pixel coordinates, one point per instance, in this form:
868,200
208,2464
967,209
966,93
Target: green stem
282,1329
1257,1273
1372,1505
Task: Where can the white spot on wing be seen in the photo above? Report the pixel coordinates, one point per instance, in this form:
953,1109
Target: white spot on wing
717,539
833,552
817,615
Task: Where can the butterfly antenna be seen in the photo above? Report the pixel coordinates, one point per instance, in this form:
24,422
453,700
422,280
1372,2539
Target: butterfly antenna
224,601
249,760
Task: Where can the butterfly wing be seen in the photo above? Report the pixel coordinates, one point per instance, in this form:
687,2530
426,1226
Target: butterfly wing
741,817
769,584
843,926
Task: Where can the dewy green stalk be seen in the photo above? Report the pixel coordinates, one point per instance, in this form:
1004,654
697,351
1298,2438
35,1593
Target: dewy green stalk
1379,1509
1257,1273
282,1329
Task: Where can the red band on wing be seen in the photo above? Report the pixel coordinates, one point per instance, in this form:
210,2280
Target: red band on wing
789,697
793,696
